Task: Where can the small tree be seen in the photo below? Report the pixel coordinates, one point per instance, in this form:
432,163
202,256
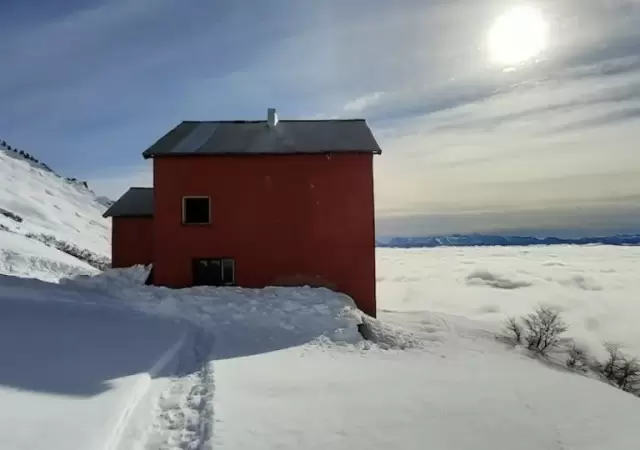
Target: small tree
514,330
620,370
610,367
544,328
578,359
629,376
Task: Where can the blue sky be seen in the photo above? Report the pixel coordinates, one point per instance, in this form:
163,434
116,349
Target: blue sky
545,147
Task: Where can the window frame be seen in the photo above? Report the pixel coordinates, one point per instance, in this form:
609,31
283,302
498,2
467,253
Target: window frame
184,210
232,282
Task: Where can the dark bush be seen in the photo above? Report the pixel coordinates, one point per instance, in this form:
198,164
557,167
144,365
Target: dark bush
620,370
11,215
99,262
543,329
578,359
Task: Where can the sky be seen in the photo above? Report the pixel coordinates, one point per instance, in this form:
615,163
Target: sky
472,140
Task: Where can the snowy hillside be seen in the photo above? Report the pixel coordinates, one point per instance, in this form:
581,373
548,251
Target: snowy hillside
142,367
61,214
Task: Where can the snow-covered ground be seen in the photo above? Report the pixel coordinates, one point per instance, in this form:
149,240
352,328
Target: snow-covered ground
140,367
72,371
36,201
28,258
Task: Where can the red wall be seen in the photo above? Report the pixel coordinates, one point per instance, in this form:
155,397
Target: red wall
131,241
284,219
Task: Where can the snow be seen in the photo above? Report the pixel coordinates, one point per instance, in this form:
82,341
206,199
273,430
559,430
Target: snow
49,204
71,370
24,257
253,320
142,367
444,398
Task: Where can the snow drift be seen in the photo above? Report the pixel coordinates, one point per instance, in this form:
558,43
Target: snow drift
255,320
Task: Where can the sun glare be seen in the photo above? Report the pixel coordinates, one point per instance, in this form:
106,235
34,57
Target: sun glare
517,36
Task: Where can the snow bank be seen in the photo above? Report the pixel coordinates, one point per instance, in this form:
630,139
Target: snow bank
111,279
595,287
248,320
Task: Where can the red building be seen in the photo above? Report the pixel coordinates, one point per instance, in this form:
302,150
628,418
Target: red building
254,204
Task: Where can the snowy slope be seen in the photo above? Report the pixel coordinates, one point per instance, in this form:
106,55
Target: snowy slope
24,257
49,204
38,203
473,396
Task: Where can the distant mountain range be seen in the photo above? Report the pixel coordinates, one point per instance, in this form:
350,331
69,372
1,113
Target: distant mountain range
458,240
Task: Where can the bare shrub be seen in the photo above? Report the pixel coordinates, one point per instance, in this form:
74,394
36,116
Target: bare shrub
543,329
578,359
613,361
97,261
513,330
620,370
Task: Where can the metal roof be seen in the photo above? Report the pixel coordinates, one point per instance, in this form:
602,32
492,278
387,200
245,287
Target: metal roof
257,137
136,202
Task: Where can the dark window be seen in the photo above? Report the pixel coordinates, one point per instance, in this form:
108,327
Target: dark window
196,210
213,272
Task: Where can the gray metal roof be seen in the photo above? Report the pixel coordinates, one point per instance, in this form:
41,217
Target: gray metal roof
136,202
257,137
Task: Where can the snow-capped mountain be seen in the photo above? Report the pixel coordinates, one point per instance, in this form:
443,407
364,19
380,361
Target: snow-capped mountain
41,208
481,240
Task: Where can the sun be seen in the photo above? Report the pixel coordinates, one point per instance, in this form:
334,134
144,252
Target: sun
517,36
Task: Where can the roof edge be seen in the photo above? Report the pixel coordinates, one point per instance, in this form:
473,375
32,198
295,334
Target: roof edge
357,119
128,216
110,211
245,155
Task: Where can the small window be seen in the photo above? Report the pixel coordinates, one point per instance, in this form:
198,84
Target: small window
196,210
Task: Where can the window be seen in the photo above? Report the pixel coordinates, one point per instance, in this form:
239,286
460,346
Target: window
196,210
213,272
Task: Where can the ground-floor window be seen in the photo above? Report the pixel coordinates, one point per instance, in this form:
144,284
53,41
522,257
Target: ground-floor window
214,272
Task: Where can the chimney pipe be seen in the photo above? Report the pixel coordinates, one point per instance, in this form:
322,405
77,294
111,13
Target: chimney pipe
272,117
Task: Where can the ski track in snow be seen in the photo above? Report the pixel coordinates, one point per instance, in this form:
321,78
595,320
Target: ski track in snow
184,412
182,416
139,391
